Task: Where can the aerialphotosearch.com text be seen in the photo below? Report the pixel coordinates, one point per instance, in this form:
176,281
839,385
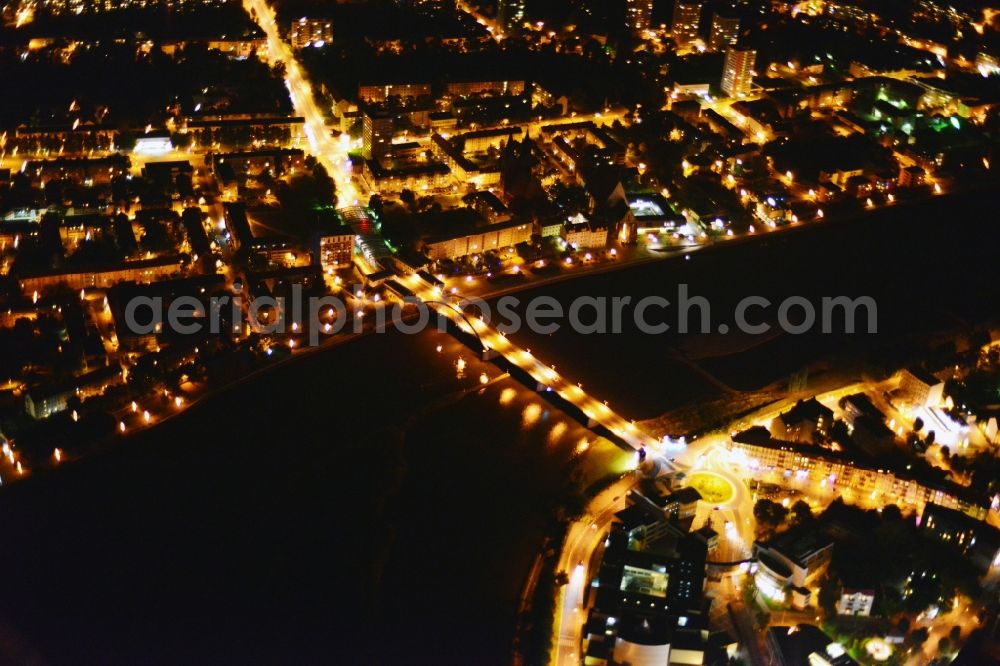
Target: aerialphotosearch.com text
322,316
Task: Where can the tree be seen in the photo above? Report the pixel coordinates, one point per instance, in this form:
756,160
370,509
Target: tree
801,512
409,198
891,513
917,637
156,237
839,432
769,512
979,338
829,594
955,634
125,141
944,645
180,140
918,424
326,190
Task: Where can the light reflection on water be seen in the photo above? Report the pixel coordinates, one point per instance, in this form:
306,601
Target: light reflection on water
531,414
507,396
558,430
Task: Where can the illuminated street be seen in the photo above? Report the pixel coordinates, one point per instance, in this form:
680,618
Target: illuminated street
330,151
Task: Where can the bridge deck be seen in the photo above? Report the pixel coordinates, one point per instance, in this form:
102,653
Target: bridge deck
596,410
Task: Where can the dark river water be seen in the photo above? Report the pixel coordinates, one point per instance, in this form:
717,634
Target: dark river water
926,269
370,504
375,504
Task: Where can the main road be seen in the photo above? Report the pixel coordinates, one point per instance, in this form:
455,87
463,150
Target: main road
330,152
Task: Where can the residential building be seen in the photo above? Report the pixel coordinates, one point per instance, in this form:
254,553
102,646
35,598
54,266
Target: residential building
737,73
376,134
480,141
42,402
334,247
235,48
75,229
579,232
987,63
404,92
310,32
80,170
240,131
488,205
464,170
724,32
855,601
872,435
510,14
911,176
856,405
491,238
102,277
639,14
687,16
255,162
393,178
978,541
921,388
135,333
808,421
494,87
854,480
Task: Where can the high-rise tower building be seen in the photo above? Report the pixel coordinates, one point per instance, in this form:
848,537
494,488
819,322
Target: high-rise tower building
639,14
687,15
510,14
376,134
725,30
737,74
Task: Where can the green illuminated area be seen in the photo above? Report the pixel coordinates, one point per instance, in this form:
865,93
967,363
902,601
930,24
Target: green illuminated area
714,489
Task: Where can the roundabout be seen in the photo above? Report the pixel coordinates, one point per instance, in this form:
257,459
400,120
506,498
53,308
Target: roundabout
714,488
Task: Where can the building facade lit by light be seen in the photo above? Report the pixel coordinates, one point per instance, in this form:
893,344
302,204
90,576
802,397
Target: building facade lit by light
376,135
724,32
737,74
687,16
639,14
510,14
310,32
